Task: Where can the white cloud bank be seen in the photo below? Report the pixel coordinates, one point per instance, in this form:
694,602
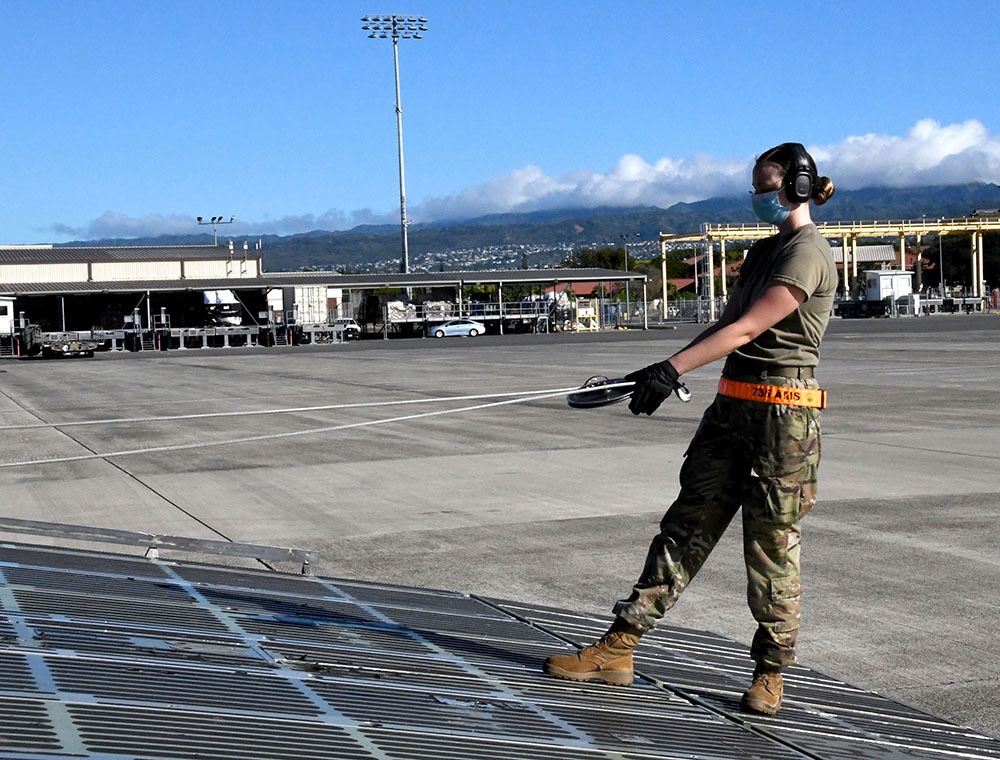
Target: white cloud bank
112,224
929,154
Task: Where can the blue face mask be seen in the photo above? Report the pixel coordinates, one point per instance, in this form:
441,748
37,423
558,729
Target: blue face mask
768,208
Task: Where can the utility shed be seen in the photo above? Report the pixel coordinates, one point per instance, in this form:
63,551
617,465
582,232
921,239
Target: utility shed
888,283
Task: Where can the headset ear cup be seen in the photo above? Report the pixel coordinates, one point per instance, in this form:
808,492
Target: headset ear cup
800,180
802,187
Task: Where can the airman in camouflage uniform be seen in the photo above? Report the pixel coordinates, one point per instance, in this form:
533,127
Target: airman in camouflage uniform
758,445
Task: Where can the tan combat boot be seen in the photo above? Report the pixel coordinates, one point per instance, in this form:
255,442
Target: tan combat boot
764,694
609,660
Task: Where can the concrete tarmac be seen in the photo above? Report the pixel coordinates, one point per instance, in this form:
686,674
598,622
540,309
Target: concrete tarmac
537,502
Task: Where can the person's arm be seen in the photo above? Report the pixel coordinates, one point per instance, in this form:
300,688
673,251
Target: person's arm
776,302
728,316
654,383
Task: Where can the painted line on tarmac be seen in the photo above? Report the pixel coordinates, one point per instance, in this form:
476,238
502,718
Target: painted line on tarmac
274,436
288,410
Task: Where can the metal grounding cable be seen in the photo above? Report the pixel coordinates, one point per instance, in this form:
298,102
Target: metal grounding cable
518,397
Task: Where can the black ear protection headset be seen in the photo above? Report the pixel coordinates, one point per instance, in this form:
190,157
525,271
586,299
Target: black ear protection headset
801,178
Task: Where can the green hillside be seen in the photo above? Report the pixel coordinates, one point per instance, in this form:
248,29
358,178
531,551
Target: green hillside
551,234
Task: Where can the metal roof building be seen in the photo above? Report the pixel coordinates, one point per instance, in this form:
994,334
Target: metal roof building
31,265
54,271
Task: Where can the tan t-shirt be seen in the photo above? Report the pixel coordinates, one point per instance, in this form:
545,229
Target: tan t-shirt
803,259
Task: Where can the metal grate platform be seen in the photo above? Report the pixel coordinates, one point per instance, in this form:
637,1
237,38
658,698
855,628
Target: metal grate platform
112,657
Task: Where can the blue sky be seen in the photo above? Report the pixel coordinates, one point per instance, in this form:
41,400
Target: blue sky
133,118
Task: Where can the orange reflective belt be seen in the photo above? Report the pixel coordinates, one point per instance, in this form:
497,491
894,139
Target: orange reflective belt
773,394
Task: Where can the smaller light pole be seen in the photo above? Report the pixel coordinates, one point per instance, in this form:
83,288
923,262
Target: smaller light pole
940,264
628,313
918,264
215,221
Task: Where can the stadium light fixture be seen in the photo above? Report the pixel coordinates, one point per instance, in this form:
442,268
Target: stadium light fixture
215,221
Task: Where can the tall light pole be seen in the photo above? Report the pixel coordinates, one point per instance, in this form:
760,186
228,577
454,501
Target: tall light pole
215,221
396,27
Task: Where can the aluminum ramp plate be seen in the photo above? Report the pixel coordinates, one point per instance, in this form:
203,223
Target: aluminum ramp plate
113,657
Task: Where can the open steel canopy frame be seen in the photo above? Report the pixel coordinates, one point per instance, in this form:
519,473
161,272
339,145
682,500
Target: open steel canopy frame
848,233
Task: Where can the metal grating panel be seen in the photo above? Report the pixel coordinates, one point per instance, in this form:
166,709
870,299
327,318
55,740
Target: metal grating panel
230,577
30,556
102,585
286,608
26,722
419,599
236,690
347,633
405,746
102,655
82,638
15,674
109,609
145,733
442,710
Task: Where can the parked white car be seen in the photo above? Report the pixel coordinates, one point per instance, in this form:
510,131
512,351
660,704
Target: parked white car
469,327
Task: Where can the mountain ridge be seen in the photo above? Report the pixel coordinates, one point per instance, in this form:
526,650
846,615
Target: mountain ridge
549,235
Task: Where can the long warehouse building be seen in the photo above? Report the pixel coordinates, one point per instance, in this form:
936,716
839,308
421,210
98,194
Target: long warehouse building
85,288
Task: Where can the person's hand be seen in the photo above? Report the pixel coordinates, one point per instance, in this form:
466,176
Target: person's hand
652,386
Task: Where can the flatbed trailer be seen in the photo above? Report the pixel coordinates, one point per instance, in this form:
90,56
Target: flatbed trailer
913,305
30,341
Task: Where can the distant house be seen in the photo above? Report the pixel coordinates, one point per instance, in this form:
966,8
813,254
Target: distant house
580,289
683,284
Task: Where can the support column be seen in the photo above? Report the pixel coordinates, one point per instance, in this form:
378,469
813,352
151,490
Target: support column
982,267
974,244
854,255
844,258
722,266
711,282
902,251
663,276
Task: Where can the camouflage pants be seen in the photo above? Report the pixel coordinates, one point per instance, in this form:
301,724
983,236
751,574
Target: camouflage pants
758,456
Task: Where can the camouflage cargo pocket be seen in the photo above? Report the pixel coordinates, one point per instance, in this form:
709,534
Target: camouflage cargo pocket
786,596
788,440
783,589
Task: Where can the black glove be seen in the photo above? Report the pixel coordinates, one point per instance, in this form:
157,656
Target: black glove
652,386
